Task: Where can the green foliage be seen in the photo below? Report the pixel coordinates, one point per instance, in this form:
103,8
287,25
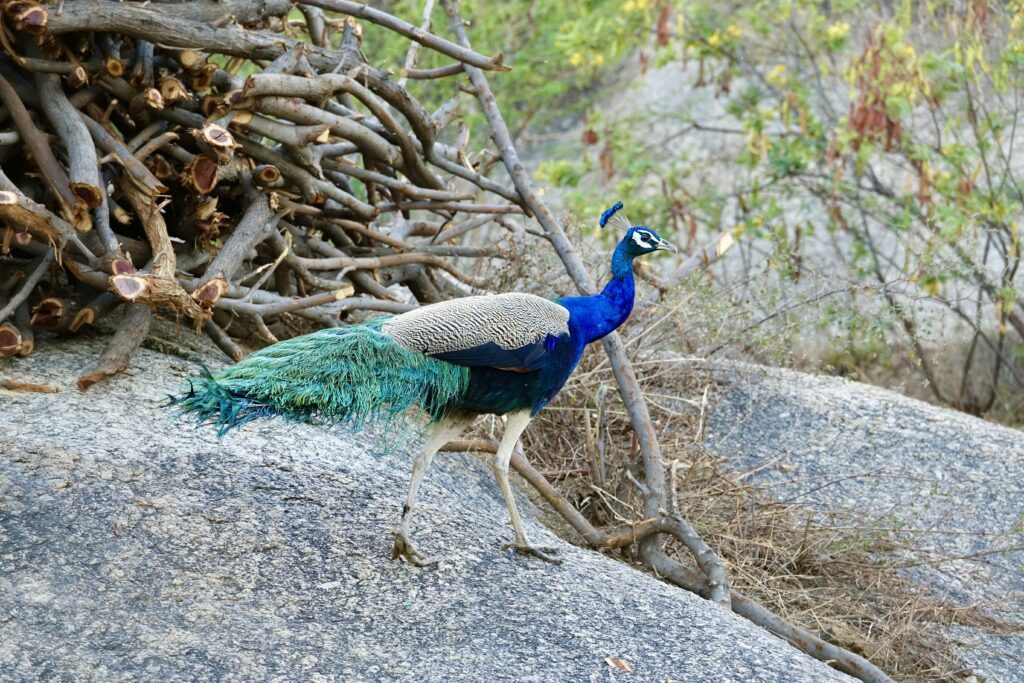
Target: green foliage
887,139
556,50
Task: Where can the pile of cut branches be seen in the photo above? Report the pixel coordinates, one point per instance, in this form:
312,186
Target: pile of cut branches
243,169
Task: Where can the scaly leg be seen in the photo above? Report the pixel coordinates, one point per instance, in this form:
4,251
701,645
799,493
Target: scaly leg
440,434
514,426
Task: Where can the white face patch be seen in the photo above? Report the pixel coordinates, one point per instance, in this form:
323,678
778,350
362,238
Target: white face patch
641,237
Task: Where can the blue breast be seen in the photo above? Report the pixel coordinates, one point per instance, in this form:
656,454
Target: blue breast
496,390
500,391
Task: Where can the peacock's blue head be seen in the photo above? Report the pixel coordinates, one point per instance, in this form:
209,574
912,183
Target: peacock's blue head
639,239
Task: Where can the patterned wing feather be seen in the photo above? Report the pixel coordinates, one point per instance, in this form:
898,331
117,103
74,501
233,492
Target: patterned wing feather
512,331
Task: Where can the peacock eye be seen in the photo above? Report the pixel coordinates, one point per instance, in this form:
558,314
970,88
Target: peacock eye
640,238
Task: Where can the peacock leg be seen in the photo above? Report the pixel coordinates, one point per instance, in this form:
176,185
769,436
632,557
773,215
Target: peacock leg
514,426
440,434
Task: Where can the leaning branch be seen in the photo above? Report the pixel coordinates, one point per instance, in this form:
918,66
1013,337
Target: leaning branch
421,36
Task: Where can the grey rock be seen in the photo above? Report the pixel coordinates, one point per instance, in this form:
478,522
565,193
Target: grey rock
835,444
134,547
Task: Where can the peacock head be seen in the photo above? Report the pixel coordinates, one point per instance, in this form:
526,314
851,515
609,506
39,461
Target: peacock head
639,239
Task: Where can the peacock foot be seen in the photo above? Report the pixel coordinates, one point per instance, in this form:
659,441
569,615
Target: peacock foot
404,548
546,553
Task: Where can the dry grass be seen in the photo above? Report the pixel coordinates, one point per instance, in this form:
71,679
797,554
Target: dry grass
825,572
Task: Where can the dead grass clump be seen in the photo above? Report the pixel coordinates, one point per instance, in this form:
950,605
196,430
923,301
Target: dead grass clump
823,571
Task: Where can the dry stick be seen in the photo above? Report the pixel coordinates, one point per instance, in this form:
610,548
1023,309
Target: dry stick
373,263
416,167
102,304
83,166
135,322
447,112
360,278
343,303
287,134
95,16
629,388
372,234
459,250
596,438
27,286
402,186
11,339
439,72
710,564
18,209
414,47
54,313
48,66
425,38
222,340
461,229
155,144
142,72
717,581
22,318
15,385
159,286
73,208
491,209
437,159
266,271
316,26
137,171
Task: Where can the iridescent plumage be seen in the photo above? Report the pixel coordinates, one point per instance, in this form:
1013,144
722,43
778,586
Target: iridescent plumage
507,354
347,376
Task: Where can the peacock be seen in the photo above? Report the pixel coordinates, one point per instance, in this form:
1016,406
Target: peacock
503,354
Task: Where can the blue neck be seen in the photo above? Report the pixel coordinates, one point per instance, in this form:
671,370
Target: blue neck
596,316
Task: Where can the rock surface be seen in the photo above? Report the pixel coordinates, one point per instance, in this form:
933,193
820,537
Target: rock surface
837,444
133,547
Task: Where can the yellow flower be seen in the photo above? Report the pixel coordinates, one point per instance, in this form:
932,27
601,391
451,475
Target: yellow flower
734,31
598,60
575,59
777,75
837,30
714,39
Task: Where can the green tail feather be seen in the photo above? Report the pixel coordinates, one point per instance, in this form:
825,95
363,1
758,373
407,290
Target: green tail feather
347,376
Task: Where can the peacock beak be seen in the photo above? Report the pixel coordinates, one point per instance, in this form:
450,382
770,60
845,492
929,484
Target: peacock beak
665,245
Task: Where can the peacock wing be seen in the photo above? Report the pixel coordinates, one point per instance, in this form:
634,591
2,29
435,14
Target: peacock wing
508,331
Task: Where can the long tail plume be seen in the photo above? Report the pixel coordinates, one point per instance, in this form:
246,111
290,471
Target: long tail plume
347,376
